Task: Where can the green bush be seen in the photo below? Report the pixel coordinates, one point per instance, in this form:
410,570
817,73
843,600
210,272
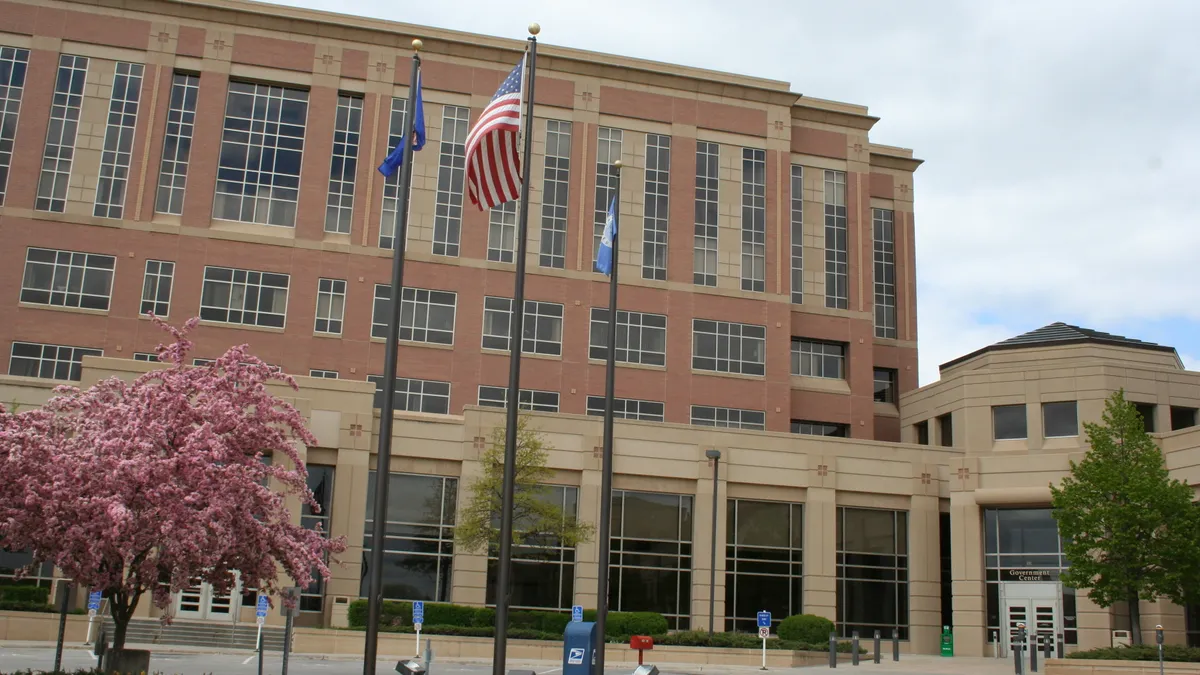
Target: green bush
398,615
1140,653
10,606
806,628
22,593
699,638
623,624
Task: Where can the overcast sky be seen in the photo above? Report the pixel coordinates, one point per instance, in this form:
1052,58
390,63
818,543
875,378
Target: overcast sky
1058,137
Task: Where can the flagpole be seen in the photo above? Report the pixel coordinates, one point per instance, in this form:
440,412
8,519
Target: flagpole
388,410
516,339
606,465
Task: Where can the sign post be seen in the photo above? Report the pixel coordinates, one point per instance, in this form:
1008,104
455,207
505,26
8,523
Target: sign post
418,619
577,613
260,617
764,630
93,608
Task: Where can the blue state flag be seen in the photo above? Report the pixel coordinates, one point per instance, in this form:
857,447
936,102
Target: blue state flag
604,256
396,157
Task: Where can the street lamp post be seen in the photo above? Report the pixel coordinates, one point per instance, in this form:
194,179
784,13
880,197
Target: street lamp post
714,455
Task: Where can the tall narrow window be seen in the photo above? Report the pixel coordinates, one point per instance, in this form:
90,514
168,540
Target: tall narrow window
331,306
797,234
320,482
156,287
118,141
452,162
754,220
555,185
872,571
13,64
704,263
885,273
339,205
656,210
543,567
60,134
418,554
837,294
652,555
391,184
258,178
764,560
502,232
177,144
608,150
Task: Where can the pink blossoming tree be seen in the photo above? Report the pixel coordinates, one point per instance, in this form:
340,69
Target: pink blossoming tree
156,485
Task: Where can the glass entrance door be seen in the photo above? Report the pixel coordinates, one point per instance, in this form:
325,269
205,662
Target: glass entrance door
202,603
1036,605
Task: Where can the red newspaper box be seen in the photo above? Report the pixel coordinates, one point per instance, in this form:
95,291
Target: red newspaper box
641,643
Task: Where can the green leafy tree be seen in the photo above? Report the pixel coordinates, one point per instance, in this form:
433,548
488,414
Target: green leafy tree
537,521
1129,530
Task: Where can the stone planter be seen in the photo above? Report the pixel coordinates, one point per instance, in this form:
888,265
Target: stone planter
127,661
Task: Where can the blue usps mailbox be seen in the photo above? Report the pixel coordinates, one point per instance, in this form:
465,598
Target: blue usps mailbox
579,646
764,619
577,613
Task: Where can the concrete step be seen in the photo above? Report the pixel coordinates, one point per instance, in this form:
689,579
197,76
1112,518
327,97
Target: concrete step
199,634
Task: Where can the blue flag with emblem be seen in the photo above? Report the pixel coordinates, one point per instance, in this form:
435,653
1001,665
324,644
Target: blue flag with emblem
604,255
396,157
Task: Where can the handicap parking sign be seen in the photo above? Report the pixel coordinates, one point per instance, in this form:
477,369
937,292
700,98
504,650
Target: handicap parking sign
575,656
764,619
577,613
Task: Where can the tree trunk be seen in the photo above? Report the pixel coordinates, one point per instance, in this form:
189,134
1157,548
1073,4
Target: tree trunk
120,625
1135,619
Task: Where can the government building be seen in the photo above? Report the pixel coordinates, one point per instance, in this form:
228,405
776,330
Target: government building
763,234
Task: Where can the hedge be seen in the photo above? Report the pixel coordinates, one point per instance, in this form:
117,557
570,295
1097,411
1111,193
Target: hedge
1140,653
39,595
807,628
699,638
397,615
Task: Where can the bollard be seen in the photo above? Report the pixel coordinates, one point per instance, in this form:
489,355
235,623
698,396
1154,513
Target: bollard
262,641
999,648
428,655
1060,645
832,650
877,645
1017,649
895,644
1033,652
854,648
1049,643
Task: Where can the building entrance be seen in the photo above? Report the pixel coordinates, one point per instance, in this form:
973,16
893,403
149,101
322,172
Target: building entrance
204,604
1037,605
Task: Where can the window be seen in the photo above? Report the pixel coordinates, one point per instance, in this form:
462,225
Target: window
258,178
921,431
1008,422
156,287
814,358
764,562
556,178
543,570
704,247
203,362
52,362
542,326
429,396
320,482
145,356
946,430
12,561
13,65
447,219
331,305
885,385
1020,539
343,165
809,428
731,418
836,243
627,409
1146,410
872,571
656,209
418,553
797,234
388,218
528,399
425,316
885,273
1059,419
1182,418
60,133
652,555
641,338
502,232
608,178
177,144
754,219
725,347
67,279
324,374
244,297
118,141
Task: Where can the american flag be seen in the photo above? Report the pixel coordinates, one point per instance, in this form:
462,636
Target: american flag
493,161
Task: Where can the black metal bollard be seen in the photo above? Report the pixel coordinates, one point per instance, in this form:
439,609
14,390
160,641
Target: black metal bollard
832,650
1048,642
261,647
1060,645
1017,644
876,646
854,648
895,644
1033,652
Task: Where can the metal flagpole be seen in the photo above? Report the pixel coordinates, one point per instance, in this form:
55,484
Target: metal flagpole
514,376
388,408
604,529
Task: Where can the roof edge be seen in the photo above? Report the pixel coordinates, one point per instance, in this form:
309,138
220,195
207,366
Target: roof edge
1057,343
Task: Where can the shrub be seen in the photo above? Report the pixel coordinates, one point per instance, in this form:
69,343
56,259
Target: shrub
1140,653
806,628
11,606
623,624
24,593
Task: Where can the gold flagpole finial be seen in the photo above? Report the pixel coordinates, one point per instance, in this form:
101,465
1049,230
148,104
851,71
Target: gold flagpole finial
618,164
417,44
534,29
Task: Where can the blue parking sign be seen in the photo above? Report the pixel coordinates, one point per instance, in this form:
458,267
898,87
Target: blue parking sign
418,612
94,600
261,609
764,619
577,613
